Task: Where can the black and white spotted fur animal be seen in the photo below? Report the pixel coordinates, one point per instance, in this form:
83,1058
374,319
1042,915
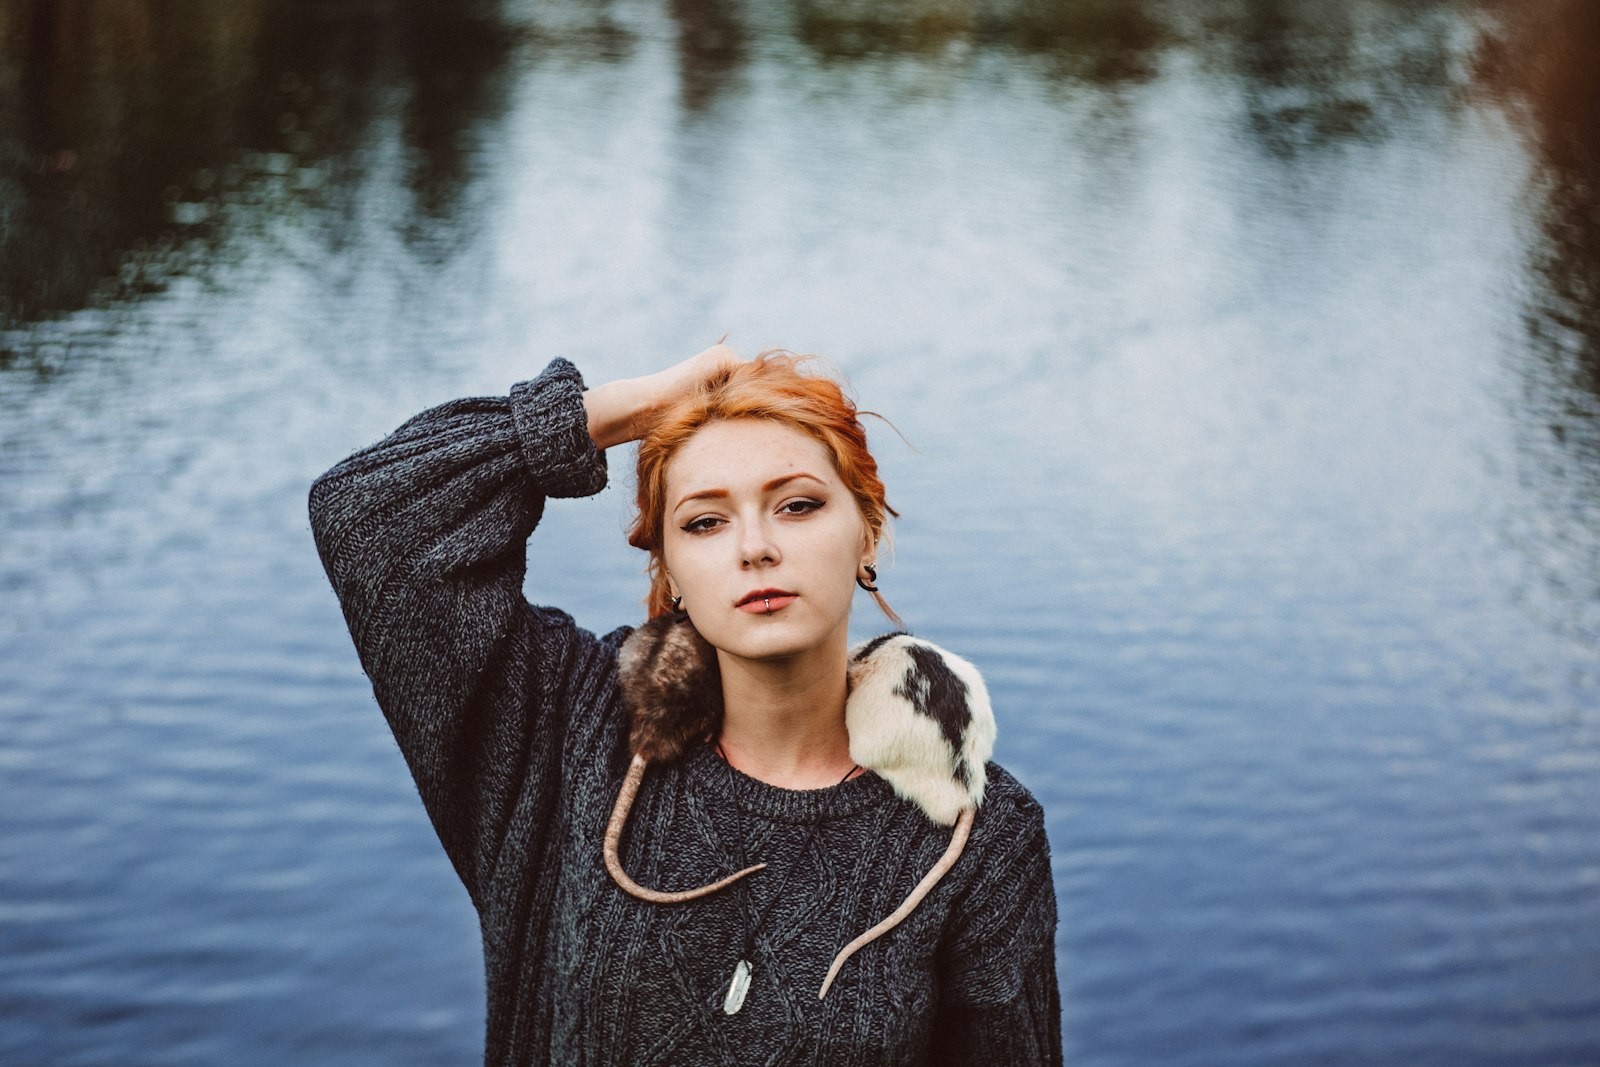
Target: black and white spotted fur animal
920,717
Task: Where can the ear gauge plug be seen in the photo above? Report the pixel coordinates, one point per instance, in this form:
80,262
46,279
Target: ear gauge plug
870,582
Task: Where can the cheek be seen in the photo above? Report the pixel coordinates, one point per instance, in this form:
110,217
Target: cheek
705,570
837,550
686,565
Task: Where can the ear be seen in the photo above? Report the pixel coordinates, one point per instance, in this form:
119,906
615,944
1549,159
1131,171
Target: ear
869,558
869,544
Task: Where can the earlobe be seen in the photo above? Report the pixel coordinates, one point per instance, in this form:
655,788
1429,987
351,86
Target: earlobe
866,571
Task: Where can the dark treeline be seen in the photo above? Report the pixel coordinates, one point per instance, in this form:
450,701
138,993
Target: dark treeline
128,129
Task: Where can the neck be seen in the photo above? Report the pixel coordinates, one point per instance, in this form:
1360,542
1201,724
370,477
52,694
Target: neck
783,720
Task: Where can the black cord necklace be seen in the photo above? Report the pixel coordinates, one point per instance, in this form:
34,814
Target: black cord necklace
740,983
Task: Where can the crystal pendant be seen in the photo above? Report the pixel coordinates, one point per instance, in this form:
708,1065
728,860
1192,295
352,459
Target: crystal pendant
737,988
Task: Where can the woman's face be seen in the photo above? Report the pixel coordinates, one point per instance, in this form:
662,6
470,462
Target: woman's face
756,507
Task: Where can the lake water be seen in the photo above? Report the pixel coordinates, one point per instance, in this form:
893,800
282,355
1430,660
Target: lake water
1250,353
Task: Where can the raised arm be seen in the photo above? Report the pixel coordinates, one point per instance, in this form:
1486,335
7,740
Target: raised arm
423,536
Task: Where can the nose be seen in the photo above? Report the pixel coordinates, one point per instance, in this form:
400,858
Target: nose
757,544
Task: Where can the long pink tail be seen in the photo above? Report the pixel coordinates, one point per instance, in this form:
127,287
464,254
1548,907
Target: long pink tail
619,816
952,852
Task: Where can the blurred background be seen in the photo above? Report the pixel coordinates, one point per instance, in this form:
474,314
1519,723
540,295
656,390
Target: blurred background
1250,353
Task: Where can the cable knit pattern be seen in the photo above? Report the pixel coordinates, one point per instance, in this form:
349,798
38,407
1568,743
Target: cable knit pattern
511,722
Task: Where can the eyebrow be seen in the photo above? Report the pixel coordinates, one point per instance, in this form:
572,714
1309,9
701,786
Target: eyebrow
717,494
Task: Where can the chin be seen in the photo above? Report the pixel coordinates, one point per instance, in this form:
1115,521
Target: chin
764,646
764,639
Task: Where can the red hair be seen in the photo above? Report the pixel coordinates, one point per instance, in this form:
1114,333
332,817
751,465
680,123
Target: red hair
771,387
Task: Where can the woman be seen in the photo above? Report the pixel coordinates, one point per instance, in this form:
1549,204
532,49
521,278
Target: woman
722,837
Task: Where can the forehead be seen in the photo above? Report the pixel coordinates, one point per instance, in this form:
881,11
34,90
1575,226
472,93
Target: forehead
739,454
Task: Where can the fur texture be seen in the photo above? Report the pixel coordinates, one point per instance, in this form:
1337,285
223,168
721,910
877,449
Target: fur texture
917,716
920,717
671,686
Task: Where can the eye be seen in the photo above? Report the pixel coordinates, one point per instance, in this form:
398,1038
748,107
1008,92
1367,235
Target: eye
800,507
700,525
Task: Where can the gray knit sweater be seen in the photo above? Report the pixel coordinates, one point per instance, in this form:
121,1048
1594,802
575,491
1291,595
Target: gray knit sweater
510,720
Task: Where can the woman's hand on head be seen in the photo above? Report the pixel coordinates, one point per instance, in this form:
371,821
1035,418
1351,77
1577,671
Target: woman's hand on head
683,376
615,408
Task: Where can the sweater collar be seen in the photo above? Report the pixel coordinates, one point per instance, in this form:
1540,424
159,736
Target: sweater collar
918,716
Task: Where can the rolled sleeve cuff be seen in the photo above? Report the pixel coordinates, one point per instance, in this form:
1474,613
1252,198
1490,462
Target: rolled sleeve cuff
553,429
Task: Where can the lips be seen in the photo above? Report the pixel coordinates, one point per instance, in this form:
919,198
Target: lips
765,600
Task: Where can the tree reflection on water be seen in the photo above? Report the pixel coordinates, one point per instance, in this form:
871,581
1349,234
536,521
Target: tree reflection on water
1258,344
1540,64
132,138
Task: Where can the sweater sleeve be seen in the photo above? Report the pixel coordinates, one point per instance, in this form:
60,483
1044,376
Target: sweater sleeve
423,536
999,1000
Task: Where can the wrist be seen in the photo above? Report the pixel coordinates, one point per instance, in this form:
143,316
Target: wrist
612,409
